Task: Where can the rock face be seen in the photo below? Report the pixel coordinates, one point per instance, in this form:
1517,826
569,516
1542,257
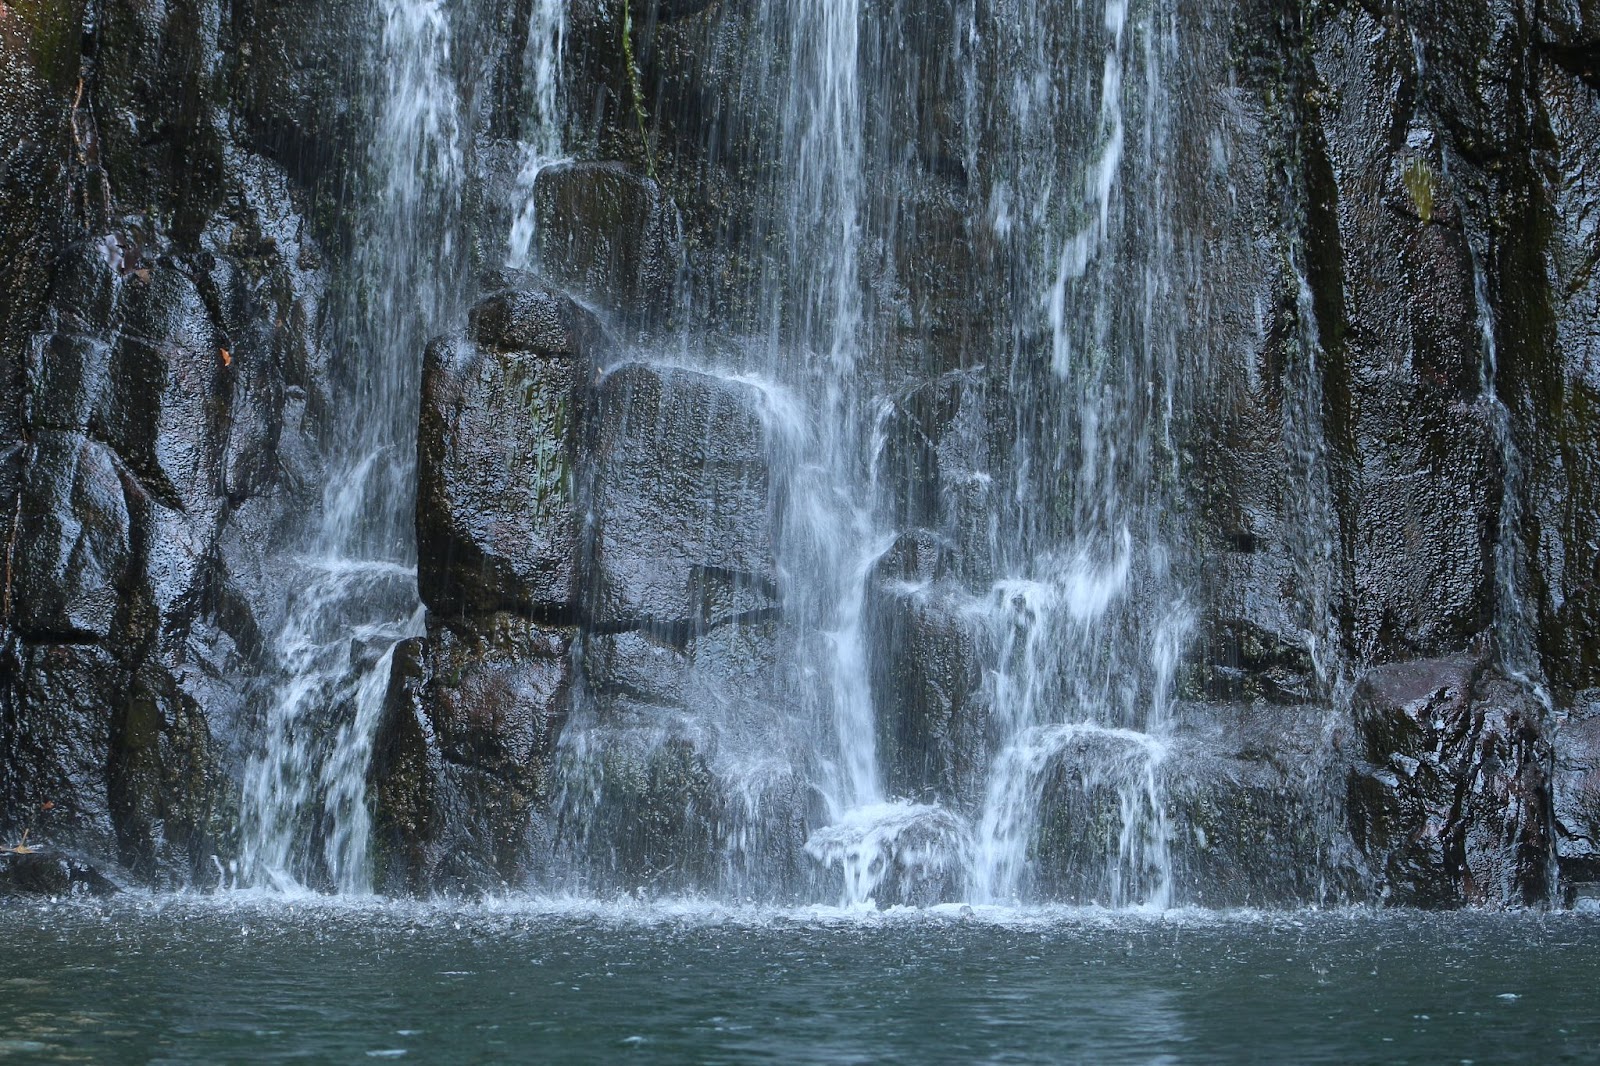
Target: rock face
161,361
683,534
610,236
1452,806
1380,474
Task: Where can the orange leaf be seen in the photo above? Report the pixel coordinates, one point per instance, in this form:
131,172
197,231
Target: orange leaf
227,357
48,806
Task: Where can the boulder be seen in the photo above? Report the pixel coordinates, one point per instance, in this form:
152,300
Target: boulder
51,873
463,756
1451,803
610,236
683,526
1097,838
499,517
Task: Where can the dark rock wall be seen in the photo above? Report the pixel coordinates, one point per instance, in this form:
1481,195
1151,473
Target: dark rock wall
165,376
1415,165
1391,501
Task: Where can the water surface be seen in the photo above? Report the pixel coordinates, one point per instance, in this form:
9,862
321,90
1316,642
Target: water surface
205,980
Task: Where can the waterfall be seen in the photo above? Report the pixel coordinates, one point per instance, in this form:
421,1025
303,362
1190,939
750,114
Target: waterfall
1087,621
1076,607
1089,618
831,539
353,575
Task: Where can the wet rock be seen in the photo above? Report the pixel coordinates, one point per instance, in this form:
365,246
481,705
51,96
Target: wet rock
499,522
610,236
1576,795
1452,803
1418,495
500,697
40,59
637,665
172,804
49,873
1555,393
292,74
941,449
1251,794
1246,661
688,740
682,505
1262,563
167,368
933,287
1097,838
651,817
927,673
668,10
404,777
73,550
897,854
160,348
56,745
462,758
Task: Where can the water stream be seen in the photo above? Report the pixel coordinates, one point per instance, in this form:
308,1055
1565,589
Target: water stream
353,575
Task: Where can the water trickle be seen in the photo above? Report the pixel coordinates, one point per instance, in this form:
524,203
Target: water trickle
1514,630
541,147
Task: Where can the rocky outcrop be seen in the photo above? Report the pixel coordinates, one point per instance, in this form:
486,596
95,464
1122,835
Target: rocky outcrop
500,521
588,541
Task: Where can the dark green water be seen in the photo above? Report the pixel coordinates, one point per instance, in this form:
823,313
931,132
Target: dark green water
174,980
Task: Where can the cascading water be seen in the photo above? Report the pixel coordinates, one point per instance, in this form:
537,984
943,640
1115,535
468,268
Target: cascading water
541,147
354,574
831,538
1082,619
1087,626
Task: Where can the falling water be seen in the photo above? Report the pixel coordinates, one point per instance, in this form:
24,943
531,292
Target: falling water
541,145
836,530
1088,623
1514,631
304,808
1080,616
